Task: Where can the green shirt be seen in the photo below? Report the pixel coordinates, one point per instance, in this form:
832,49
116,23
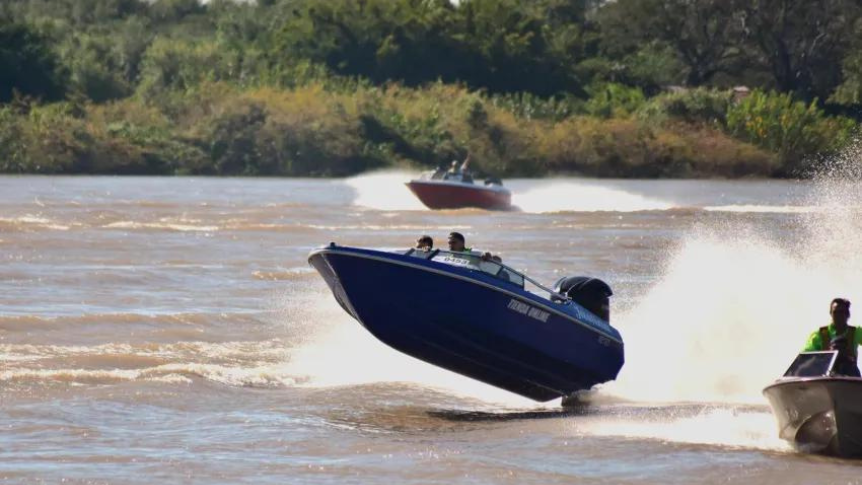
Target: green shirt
814,341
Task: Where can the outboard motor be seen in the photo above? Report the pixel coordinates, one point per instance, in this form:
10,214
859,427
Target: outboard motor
591,293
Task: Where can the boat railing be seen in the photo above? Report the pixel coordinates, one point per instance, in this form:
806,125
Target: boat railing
476,261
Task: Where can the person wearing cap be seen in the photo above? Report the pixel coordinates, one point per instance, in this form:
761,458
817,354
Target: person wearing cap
425,243
839,336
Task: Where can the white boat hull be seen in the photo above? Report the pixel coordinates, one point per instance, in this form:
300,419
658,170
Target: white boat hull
819,414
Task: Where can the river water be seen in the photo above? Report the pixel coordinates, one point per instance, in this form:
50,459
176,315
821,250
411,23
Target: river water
169,330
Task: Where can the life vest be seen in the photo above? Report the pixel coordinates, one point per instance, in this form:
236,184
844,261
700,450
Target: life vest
850,335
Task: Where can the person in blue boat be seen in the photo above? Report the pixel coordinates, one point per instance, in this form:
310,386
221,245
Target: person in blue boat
457,244
425,243
839,336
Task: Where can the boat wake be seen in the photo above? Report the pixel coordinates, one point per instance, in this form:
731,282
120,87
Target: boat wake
372,362
384,191
584,197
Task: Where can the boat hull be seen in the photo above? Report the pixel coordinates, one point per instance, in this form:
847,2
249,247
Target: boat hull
427,310
819,414
454,195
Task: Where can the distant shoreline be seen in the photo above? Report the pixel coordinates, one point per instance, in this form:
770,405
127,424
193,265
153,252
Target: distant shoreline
313,131
407,171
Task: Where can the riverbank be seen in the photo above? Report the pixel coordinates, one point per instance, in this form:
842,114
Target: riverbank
338,127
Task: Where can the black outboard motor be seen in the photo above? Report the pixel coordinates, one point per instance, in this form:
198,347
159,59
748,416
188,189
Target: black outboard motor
591,293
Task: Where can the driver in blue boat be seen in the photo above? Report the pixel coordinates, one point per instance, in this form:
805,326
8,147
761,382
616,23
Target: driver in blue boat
457,244
839,336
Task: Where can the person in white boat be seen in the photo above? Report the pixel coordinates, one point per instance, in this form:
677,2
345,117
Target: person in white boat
840,336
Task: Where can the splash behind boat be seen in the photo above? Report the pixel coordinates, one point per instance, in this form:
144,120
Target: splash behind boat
474,317
444,190
817,411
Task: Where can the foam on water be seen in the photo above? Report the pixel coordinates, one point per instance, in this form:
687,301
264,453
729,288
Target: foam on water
163,225
736,302
261,376
764,209
724,320
709,426
584,197
243,363
342,353
384,191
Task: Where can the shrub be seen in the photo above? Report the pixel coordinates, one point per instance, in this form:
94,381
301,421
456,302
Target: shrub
614,101
13,156
792,129
699,105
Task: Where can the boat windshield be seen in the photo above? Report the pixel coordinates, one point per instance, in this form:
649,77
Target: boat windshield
440,174
473,261
812,364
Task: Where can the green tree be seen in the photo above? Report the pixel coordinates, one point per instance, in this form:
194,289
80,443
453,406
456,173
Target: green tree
850,90
800,43
704,34
28,65
498,45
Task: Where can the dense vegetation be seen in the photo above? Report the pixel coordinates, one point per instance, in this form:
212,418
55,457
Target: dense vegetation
632,88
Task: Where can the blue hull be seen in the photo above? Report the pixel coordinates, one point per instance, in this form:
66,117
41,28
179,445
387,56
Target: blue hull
472,323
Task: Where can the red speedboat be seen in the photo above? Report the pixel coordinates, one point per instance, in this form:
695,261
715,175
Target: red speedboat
457,190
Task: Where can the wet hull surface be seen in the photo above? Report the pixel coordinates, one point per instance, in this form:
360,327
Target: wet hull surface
822,415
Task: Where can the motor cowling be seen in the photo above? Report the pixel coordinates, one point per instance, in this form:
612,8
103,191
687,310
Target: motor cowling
591,293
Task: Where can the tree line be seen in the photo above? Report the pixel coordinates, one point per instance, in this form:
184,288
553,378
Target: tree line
629,85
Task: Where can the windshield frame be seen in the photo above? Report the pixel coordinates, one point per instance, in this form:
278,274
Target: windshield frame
472,260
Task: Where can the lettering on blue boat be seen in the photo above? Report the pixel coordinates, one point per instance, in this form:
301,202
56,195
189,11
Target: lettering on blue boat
528,310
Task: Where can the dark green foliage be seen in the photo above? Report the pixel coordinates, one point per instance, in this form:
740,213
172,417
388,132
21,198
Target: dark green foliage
801,43
28,65
498,45
333,87
703,33
693,106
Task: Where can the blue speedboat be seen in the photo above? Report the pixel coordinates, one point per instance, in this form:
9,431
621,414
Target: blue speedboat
477,318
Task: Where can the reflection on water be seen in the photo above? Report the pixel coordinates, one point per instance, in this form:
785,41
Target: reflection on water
171,329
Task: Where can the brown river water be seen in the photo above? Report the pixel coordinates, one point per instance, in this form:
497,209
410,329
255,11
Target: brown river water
169,330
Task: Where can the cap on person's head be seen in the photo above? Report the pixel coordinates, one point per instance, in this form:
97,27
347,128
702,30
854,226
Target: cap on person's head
841,302
457,236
